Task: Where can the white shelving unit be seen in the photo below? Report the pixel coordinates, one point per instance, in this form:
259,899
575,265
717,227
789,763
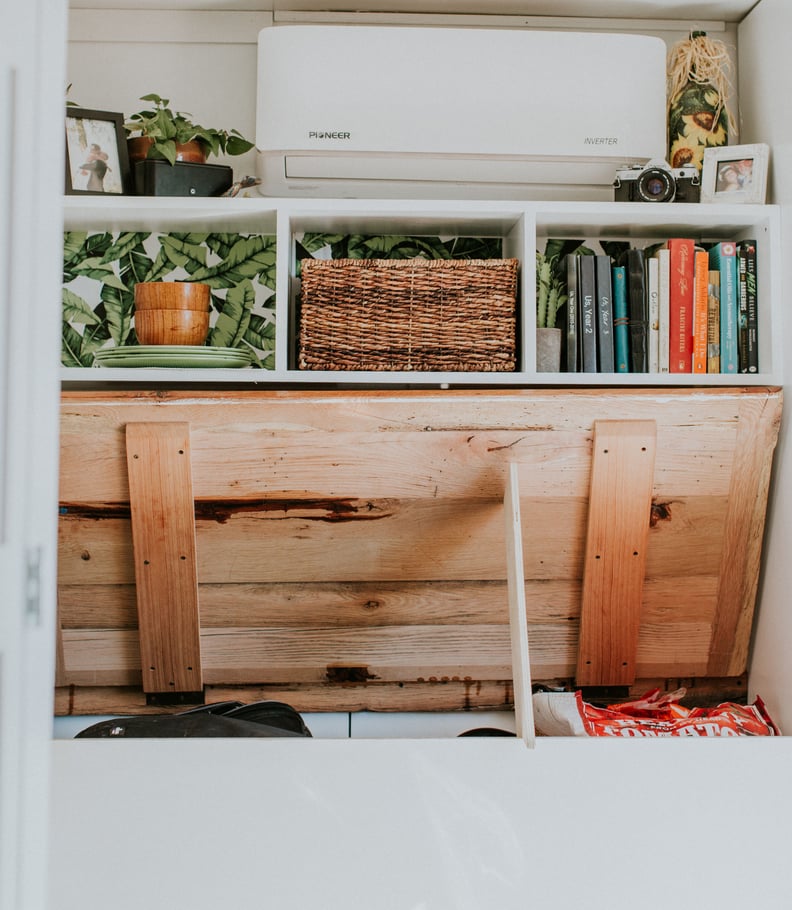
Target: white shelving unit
523,228
434,824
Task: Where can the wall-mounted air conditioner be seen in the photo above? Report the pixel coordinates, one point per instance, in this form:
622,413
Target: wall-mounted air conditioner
389,111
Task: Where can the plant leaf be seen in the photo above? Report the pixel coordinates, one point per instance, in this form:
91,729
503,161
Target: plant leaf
189,256
123,245
99,271
119,306
75,309
234,318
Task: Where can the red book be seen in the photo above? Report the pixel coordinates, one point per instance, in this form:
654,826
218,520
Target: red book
680,327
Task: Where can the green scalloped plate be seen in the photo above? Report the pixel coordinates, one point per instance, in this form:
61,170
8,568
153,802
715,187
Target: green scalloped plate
184,356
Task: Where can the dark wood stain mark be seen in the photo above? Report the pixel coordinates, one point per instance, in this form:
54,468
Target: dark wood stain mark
220,510
661,511
346,675
325,509
509,446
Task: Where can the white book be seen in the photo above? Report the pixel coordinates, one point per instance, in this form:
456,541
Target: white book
652,294
663,259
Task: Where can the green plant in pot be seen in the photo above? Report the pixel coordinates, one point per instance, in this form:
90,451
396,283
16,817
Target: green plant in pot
161,133
551,298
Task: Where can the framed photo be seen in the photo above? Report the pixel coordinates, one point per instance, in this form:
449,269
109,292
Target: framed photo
97,162
735,173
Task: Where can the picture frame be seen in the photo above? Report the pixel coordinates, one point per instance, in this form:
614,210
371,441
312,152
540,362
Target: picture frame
97,161
735,173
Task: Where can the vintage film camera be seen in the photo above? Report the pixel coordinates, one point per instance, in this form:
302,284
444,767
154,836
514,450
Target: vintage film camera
657,182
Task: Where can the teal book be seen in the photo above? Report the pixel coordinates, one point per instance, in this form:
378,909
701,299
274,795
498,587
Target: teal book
621,321
723,258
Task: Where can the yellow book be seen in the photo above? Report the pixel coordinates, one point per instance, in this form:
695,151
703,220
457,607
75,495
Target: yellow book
700,309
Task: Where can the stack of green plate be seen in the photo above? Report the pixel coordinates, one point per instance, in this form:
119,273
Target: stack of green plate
161,355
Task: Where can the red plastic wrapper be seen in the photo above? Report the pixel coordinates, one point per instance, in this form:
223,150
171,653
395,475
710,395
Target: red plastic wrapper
661,715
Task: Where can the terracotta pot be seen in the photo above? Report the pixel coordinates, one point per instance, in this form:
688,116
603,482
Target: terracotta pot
172,326
138,148
172,295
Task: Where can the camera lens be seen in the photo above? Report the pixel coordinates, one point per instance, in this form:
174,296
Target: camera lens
655,185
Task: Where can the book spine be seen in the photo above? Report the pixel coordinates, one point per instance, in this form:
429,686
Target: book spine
749,354
713,322
700,310
653,301
680,325
605,345
620,319
638,311
663,276
587,291
571,334
724,257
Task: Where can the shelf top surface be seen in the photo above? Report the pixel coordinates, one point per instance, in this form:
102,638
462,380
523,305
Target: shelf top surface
728,10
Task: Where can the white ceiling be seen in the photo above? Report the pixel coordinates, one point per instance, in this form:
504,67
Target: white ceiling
728,10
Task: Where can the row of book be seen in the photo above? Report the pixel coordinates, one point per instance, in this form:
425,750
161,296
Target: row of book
676,308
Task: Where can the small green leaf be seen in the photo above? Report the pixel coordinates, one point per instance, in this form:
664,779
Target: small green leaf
234,318
119,306
75,309
96,269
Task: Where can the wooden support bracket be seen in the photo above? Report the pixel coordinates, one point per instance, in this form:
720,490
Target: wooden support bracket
620,503
166,575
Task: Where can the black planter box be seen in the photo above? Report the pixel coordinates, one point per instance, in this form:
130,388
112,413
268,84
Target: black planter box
154,177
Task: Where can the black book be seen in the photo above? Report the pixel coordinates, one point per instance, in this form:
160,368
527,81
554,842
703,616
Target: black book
605,346
587,327
747,317
637,311
571,335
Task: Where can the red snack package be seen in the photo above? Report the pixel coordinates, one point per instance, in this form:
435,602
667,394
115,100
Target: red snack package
656,715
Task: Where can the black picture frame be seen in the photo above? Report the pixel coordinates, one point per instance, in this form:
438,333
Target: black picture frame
97,161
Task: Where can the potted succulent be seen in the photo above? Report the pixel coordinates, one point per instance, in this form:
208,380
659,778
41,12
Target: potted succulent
162,133
551,297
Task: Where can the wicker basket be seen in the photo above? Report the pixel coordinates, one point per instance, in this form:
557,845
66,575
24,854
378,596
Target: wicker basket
408,314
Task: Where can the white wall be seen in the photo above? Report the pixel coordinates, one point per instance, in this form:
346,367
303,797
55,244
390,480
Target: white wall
205,62
765,87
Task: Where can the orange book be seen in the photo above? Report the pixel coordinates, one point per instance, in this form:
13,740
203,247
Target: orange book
700,305
680,317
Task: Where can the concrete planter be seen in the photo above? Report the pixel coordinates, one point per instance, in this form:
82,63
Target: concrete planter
548,350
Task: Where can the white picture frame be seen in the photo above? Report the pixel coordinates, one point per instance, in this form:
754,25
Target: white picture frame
735,173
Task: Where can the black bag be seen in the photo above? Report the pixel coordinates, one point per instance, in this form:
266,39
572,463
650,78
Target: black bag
222,719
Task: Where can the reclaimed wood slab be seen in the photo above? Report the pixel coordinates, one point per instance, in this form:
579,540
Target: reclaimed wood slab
354,542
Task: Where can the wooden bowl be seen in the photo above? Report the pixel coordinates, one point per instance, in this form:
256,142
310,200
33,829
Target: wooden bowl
172,326
172,295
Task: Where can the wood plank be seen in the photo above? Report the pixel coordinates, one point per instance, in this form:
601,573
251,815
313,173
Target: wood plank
332,605
622,478
255,547
743,535
392,653
163,531
261,431
468,696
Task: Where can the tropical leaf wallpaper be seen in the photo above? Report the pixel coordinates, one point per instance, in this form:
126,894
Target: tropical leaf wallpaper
360,246
100,271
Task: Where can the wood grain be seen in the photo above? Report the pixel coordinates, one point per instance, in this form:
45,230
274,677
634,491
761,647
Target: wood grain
163,532
341,532
622,477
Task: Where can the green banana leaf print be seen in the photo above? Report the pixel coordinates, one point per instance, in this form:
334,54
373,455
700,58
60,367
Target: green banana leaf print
390,246
100,271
